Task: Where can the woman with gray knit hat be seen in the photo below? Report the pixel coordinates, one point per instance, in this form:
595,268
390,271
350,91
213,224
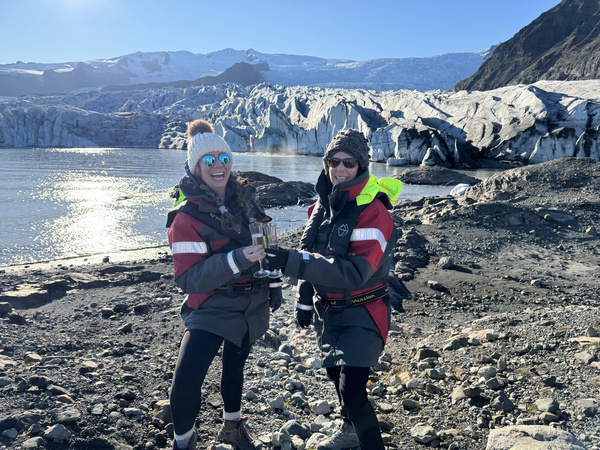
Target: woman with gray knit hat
225,305
345,259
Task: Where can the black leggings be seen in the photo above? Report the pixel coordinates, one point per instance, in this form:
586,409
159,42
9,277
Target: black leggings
351,387
196,353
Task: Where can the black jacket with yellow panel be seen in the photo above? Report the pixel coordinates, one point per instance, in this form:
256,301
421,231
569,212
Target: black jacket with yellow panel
348,243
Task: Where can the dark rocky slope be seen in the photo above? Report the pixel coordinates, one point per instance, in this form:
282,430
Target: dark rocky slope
561,44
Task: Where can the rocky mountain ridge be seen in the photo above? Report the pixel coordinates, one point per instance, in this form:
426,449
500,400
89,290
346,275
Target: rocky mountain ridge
562,44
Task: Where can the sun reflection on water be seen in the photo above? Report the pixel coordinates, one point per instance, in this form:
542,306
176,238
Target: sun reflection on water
101,211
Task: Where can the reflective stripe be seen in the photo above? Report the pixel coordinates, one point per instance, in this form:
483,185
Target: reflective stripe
304,307
231,263
369,234
189,247
275,285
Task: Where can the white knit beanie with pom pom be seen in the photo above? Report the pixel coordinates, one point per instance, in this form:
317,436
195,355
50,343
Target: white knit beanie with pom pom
203,143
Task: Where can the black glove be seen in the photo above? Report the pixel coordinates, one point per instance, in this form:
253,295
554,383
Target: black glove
304,317
275,294
277,257
305,299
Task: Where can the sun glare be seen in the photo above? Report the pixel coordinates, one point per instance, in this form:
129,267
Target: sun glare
80,5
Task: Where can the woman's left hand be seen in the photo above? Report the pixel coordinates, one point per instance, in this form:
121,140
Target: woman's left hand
254,253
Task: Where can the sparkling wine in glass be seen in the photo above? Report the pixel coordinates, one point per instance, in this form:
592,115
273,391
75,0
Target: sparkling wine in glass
258,238
270,232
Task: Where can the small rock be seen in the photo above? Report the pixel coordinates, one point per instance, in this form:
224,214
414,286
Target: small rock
11,434
436,286
416,383
57,433
456,343
142,308
295,428
321,407
66,415
422,433
127,328
487,372
385,423
591,332
162,411
36,442
587,407
584,357
88,366
445,263
502,363
386,408
548,417
133,413
546,405
5,308
424,353
502,403
408,403
278,403
32,358
493,384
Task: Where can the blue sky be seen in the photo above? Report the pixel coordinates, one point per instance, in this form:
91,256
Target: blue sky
79,30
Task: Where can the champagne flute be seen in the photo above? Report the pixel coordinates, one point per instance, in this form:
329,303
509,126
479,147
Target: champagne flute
270,231
258,238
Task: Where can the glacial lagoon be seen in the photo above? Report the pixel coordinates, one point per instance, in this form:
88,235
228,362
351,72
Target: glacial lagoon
87,203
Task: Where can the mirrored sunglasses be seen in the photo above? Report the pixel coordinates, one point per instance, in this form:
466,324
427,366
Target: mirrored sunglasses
209,160
349,163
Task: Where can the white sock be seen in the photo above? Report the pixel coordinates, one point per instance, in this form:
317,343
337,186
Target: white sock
232,416
184,439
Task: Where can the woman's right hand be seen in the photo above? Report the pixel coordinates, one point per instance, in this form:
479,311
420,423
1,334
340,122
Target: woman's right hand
254,253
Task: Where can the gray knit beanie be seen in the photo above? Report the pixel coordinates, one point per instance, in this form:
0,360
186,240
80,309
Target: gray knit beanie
352,142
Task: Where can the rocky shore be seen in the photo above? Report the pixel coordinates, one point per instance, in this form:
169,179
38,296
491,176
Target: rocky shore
494,341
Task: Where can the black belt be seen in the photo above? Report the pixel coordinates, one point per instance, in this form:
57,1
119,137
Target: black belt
360,299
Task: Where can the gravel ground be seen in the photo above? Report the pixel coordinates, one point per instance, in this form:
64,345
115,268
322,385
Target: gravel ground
495,325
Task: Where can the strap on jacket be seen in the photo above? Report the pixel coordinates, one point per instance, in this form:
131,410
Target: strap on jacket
236,288
355,300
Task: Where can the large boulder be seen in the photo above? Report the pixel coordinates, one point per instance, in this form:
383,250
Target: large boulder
532,437
435,175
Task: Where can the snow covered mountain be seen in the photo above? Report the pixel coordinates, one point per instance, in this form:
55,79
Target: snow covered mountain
422,74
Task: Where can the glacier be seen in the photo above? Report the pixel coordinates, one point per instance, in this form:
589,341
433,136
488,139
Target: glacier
523,123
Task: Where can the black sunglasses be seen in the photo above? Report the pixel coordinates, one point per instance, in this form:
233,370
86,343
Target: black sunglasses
349,163
209,160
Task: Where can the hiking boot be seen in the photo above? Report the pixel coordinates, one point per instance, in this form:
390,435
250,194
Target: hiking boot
191,445
236,434
344,437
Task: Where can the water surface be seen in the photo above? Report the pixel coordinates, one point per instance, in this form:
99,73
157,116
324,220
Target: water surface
89,202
